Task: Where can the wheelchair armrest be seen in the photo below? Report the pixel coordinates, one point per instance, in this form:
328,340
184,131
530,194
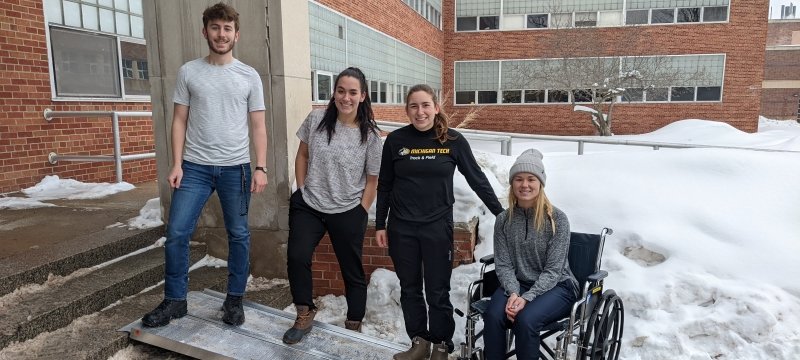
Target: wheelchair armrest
488,259
600,275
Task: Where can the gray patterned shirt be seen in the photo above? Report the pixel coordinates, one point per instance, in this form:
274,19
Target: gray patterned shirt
337,172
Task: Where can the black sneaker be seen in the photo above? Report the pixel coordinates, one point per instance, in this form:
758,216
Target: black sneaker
234,313
166,311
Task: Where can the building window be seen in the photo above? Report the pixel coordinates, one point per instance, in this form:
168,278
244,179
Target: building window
633,94
465,97
487,97
637,17
489,22
585,19
609,18
512,96
688,15
537,21
715,13
469,23
103,54
560,21
681,93
557,96
534,96
323,86
373,92
709,93
662,16
85,64
657,94
582,95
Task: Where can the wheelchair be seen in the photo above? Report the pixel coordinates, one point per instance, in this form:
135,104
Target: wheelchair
593,329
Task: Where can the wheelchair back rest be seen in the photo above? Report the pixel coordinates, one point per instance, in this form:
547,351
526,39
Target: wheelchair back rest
583,252
490,284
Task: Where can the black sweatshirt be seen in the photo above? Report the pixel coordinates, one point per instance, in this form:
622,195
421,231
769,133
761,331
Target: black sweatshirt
416,178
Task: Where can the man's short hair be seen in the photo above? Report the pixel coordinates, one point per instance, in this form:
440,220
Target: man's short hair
221,11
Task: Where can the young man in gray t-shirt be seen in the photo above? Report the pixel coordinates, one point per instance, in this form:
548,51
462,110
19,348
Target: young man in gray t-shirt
218,99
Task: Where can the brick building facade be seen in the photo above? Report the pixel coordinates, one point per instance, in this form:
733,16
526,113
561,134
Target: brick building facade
738,37
781,94
26,90
398,43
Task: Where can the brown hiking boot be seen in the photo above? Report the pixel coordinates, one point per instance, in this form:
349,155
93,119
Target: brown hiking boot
439,352
302,325
354,325
420,349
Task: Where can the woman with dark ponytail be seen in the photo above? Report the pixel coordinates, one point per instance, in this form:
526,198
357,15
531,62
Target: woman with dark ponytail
416,183
336,169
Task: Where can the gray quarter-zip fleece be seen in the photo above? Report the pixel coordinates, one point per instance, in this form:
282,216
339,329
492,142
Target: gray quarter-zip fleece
535,258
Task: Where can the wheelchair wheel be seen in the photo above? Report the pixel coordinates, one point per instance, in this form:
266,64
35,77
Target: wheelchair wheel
603,336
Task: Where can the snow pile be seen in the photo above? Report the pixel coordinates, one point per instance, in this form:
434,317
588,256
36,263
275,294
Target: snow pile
51,188
149,216
704,249
18,203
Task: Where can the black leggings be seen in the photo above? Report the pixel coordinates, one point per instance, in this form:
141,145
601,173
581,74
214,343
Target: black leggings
423,253
307,226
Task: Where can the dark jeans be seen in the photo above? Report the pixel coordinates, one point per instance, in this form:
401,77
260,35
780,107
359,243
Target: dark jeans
232,184
553,305
422,253
307,226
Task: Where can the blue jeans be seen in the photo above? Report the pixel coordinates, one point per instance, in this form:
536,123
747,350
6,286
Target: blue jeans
553,305
232,184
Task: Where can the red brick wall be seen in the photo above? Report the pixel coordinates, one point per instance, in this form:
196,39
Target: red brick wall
782,65
781,104
325,269
740,39
780,31
26,138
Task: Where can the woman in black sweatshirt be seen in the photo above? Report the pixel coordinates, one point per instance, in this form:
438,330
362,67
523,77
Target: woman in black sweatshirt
416,183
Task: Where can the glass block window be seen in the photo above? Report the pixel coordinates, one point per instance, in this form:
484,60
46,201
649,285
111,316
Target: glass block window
477,75
652,4
328,46
372,52
477,8
538,6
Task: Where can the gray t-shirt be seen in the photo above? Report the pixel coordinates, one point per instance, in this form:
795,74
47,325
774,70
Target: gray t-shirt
219,98
337,172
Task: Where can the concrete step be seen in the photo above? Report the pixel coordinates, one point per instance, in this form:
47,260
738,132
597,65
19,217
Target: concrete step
85,292
35,265
95,336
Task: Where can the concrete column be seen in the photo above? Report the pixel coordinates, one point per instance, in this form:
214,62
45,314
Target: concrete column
274,39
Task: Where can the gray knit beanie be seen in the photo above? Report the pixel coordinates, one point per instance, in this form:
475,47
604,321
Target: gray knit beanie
530,161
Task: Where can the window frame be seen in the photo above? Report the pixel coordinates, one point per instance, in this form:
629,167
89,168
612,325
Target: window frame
54,96
315,85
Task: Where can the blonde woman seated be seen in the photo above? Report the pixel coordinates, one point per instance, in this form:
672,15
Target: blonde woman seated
531,242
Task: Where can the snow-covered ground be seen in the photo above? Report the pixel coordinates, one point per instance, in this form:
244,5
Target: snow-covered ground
705,243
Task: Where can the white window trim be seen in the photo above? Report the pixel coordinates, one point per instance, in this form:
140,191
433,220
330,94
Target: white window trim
315,86
51,68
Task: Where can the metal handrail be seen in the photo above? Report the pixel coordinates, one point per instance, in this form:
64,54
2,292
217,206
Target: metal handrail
506,140
117,158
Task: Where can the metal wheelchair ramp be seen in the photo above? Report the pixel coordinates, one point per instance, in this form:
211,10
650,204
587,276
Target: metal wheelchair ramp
203,335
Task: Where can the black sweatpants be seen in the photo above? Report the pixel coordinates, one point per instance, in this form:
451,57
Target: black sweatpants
307,226
423,252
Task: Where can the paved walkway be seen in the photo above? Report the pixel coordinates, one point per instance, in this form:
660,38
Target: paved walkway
22,230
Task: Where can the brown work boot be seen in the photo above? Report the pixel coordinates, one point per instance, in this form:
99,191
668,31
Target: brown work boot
302,325
354,325
420,349
439,352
